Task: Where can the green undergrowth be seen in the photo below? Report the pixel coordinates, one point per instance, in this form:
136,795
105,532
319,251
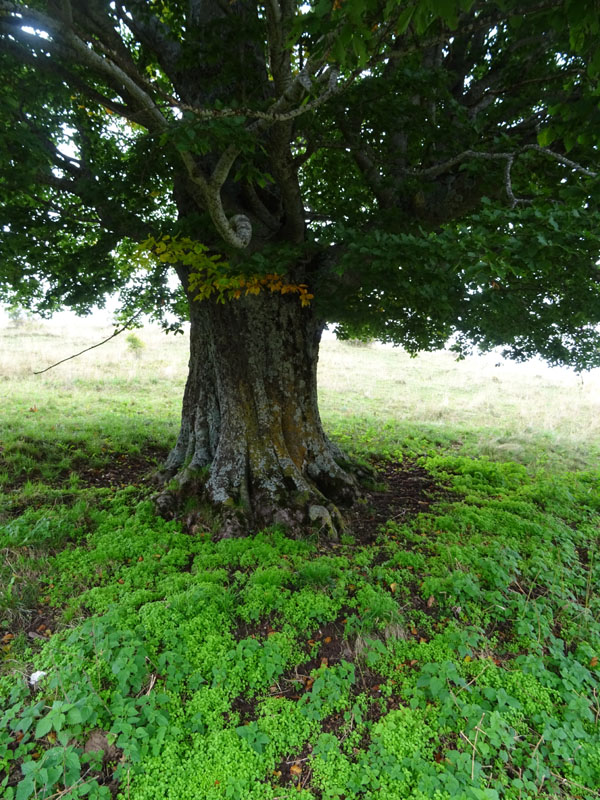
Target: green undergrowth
455,657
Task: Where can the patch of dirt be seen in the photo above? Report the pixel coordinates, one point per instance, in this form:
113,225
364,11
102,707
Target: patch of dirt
256,630
295,771
37,625
126,469
409,490
97,742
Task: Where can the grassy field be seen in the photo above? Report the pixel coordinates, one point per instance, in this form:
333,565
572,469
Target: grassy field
450,653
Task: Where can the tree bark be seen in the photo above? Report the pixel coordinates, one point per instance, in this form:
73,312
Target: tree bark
251,441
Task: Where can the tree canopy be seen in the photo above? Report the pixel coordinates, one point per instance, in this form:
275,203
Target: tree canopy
432,165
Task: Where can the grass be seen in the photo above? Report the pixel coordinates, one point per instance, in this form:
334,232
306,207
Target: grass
453,655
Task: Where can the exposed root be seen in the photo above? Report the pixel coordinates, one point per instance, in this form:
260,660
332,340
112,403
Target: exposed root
235,502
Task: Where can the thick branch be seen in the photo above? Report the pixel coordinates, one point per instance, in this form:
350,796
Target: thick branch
153,33
237,231
508,158
66,44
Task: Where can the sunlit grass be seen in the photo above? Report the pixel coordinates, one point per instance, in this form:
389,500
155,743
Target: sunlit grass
124,397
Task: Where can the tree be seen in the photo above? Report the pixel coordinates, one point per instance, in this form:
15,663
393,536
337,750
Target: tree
415,171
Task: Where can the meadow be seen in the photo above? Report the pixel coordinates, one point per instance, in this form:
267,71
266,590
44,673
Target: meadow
446,648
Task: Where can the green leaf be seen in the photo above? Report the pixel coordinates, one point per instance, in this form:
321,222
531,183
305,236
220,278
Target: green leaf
404,20
25,789
74,716
43,727
546,136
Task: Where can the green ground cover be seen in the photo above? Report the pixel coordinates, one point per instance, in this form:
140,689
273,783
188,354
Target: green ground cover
451,654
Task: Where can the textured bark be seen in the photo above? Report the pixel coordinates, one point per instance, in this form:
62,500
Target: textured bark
251,440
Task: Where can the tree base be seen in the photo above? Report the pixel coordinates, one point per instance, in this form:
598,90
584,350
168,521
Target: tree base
187,496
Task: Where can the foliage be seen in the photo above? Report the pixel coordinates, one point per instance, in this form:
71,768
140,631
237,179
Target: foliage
427,170
211,276
455,656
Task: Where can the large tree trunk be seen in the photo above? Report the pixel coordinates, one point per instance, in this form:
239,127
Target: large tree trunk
251,440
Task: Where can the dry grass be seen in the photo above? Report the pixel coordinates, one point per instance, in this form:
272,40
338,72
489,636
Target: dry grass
504,411
435,387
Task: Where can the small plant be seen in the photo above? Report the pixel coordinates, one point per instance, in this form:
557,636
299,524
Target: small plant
135,345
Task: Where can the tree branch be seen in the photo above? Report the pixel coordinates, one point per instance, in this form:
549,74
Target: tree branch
67,44
124,327
508,158
151,32
237,231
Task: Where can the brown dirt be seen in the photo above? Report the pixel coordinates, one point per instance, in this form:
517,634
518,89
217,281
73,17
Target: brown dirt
36,624
409,490
126,469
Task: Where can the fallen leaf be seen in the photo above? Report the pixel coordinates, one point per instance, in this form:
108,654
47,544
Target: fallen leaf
308,684
295,770
594,661
324,662
327,639
7,637
414,631
430,601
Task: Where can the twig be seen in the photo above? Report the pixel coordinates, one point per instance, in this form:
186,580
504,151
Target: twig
68,789
104,341
574,783
509,160
151,684
474,744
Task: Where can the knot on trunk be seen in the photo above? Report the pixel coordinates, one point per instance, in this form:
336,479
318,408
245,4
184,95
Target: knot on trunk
242,228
